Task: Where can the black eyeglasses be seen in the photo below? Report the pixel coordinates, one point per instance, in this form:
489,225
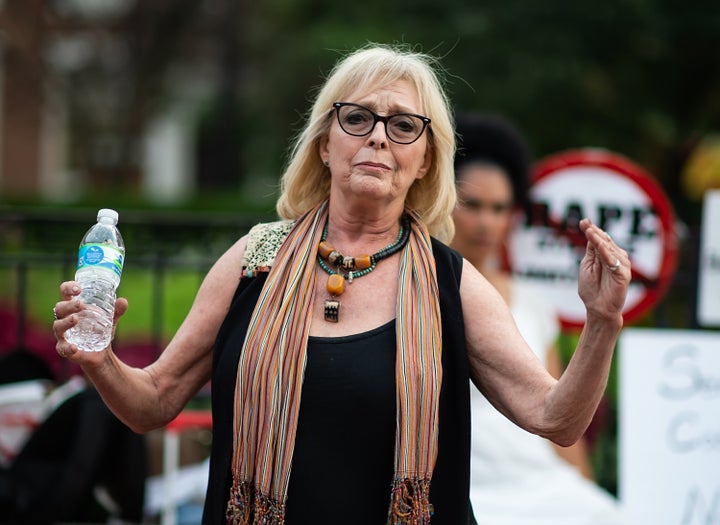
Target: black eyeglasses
358,121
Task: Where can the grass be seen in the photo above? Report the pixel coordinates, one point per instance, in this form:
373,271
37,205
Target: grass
176,287
174,292
156,303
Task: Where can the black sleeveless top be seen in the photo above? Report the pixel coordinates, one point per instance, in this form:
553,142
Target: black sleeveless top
344,450
346,422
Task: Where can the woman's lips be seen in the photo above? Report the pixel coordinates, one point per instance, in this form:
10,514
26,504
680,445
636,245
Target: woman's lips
374,165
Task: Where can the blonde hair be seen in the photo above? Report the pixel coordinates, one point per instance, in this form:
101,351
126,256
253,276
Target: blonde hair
305,182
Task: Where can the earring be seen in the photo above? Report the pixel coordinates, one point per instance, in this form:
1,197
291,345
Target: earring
327,163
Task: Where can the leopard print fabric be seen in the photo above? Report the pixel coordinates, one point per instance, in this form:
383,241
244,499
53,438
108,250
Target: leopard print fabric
264,240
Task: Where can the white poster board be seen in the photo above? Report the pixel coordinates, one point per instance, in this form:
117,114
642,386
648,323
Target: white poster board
708,312
669,426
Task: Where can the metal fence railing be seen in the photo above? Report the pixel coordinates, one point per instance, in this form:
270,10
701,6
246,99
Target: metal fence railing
166,242
45,241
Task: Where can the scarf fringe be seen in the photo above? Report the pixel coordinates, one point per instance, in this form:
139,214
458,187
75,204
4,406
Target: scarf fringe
410,504
247,506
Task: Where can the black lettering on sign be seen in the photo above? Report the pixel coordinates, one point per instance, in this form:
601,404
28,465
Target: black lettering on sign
538,214
571,219
608,215
644,223
641,221
548,275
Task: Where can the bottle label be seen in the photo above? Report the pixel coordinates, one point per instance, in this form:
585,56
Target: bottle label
97,255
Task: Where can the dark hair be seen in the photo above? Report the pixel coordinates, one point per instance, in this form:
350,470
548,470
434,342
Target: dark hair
493,139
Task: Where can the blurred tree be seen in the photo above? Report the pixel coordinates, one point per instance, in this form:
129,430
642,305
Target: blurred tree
219,139
23,95
635,76
120,84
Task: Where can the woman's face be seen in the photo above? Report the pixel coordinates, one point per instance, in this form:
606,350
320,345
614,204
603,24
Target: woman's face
484,211
372,166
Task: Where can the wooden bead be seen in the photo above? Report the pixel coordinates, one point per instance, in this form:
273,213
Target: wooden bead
335,284
324,249
363,262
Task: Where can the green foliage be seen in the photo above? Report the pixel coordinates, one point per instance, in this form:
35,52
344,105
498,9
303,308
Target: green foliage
144,317
149,312
634,76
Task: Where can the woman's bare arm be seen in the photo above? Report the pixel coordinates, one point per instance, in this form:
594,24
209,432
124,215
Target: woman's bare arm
576,454
151,397
509,374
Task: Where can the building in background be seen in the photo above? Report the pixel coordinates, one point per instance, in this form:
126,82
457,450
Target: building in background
109,95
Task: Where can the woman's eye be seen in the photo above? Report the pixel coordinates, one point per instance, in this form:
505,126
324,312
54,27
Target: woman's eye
356,118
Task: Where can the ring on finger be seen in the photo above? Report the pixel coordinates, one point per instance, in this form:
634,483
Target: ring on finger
615,267
55,314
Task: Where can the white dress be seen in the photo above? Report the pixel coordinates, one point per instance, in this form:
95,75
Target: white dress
516,477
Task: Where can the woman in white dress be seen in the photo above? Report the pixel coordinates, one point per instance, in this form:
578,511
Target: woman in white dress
517,478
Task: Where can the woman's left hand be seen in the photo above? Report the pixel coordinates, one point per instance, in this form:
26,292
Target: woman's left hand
604,273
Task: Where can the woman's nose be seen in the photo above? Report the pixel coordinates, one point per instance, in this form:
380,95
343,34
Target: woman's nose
378,135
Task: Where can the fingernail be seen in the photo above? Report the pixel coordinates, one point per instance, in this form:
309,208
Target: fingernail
75,289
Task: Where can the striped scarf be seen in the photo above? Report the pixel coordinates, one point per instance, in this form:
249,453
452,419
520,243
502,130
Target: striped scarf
272,365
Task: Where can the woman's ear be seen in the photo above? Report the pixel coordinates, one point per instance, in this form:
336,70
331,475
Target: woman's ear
422,171
323,150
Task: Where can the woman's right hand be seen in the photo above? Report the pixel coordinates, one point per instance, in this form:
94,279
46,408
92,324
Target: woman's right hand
65,318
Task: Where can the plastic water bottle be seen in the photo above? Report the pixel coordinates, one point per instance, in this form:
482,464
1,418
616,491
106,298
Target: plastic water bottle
99,266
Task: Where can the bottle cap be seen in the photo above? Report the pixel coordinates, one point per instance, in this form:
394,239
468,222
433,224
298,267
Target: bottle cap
107,212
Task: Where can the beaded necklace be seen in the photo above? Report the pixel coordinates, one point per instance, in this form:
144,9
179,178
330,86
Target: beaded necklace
349,268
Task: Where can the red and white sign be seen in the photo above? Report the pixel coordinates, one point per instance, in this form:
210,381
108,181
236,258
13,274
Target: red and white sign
615,194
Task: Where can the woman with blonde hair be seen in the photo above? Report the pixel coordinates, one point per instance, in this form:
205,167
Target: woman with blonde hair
340,340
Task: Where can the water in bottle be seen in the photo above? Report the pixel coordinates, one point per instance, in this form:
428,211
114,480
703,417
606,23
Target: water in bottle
99,266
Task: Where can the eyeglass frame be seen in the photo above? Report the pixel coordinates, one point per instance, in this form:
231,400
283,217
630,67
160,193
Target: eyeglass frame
379,118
